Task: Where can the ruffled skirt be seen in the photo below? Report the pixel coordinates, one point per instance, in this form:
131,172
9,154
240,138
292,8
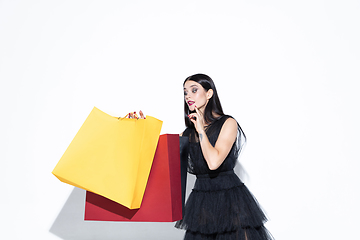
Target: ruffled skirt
222,208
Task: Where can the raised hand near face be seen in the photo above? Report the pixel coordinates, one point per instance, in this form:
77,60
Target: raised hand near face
197,119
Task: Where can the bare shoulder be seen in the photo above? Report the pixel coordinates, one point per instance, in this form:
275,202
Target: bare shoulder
227,136
229,130
230,124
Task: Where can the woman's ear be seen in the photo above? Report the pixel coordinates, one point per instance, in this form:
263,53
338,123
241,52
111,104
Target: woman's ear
209,94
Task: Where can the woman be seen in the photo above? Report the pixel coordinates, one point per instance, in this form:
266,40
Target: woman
219,206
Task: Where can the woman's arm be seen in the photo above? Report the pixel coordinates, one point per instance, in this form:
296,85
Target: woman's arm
215,156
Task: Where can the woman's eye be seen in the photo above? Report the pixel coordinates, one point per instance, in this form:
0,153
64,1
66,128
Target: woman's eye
185,93
194,90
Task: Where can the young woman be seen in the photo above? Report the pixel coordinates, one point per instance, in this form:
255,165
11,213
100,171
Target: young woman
219,206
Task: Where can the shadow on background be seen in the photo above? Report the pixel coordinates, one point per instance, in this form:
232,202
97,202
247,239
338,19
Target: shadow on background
241,172
70,225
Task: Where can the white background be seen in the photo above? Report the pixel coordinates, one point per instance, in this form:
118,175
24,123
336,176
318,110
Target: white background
288,71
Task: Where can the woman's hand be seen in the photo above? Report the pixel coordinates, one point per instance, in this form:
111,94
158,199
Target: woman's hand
197,119
134,115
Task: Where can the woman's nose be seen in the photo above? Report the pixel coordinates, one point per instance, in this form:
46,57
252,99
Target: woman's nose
189,95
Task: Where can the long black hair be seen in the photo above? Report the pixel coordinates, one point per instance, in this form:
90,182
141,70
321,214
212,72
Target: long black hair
212,107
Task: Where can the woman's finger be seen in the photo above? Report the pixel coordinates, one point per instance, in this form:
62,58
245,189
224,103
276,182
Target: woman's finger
196,109
141,115
198,112
193,116
193,119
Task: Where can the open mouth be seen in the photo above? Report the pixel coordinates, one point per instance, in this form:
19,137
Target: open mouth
190,103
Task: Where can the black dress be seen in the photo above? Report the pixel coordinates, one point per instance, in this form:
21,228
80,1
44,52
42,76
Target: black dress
220,206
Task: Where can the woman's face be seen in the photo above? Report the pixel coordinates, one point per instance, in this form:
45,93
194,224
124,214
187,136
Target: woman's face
196,95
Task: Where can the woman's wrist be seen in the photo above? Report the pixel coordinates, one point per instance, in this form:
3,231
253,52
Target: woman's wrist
201,135
201,131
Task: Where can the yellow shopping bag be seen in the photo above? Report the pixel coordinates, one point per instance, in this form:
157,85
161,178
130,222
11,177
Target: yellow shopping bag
111,157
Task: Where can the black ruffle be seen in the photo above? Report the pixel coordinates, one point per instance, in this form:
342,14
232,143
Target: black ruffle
223,206
241,234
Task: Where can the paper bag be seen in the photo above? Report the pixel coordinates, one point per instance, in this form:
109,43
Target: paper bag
163,198
111,157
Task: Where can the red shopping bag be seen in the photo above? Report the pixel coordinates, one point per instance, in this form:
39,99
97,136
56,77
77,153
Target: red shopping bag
162,201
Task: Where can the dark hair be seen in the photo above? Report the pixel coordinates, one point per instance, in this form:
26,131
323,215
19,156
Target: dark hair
213,106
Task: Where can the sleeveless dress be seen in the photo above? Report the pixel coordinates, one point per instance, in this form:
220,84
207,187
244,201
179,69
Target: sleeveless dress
220,206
